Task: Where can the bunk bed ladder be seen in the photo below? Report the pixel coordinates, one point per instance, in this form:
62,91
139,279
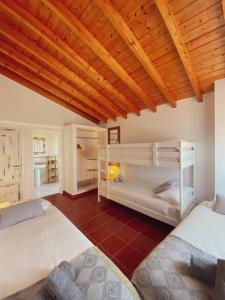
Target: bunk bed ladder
107,168
155,161
99,174
194,175
181,181
104,171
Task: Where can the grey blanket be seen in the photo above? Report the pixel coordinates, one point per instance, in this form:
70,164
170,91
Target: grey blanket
165,273
96,276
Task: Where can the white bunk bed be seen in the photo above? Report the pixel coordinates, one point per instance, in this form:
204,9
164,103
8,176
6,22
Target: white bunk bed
137,194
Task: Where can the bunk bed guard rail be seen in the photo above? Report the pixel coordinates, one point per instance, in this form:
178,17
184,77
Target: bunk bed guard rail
171,154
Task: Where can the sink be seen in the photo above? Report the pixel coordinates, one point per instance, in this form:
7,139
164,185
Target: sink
39,166
37,173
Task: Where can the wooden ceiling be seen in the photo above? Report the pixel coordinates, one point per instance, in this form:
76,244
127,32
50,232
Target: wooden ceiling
107,58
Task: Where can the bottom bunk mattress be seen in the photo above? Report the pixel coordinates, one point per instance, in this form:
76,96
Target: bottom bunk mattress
139,193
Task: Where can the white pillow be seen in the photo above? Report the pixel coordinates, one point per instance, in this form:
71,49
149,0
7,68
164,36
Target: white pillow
172,196
21,212
166,186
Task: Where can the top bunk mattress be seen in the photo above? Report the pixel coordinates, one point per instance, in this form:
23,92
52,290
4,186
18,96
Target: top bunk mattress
31,249
140,193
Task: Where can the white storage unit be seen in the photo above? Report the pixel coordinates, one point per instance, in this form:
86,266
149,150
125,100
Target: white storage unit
80,157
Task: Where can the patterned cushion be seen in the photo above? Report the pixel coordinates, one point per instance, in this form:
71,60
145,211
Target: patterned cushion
165,273
96,276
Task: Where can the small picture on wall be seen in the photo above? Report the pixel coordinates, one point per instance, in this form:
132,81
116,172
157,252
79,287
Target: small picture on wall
114,135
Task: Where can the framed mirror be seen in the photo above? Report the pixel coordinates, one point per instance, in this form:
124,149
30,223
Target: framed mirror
38,145
114,135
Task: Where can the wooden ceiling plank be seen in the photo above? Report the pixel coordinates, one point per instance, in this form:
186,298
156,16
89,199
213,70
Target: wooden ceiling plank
53,63
40,71
223,6
112,14
13,76
85,35
174,30
14,67
39,28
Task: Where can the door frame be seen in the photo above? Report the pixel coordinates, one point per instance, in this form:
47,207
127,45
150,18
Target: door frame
59,130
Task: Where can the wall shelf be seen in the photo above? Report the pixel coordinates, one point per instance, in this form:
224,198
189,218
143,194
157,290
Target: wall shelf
81,148
52,169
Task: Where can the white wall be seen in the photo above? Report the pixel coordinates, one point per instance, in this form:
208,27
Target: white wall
24,109
191,121
19,104
220,136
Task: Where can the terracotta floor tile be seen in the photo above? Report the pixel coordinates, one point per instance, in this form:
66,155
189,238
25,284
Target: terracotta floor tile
113,225
137,224
90,225
112,244
124,269
126,233
128,256
124,217
99,234
143,244
156,234
80,219
102,217
112,212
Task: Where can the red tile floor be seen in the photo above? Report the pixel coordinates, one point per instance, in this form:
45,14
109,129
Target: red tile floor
124,235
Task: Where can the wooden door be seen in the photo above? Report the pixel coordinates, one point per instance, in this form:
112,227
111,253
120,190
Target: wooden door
10,165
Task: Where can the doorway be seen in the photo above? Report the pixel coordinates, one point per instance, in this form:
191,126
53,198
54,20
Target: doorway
10,165
46,150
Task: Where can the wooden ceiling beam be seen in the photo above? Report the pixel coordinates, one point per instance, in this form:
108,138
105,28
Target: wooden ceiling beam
85,35
22,72
13,76
43,31
53,63
112,14
175,33
40,71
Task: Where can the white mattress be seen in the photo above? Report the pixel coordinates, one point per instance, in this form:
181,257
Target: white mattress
204,229
140,192
29,250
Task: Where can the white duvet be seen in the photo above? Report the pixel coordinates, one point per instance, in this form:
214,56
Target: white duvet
140,192
29,250
204,229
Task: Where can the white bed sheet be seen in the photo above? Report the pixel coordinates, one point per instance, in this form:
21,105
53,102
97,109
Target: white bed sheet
204,229
29,250
140,192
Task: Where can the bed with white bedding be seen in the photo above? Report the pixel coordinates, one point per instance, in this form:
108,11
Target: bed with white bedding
138,195
31,249
165,272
